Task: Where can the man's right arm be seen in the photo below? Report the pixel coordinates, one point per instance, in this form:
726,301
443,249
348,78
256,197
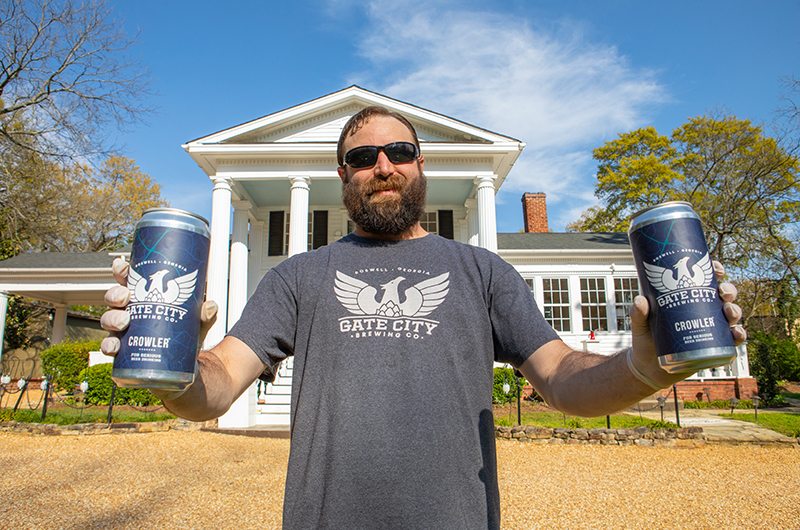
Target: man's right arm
224,371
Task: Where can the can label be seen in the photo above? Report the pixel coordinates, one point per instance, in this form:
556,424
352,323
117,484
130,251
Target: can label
677,277
167,281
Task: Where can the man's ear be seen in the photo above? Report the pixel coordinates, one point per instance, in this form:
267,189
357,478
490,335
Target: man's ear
341,172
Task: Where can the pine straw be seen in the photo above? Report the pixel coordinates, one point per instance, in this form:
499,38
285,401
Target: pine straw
204,480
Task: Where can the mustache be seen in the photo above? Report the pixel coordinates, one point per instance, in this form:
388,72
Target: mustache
393,182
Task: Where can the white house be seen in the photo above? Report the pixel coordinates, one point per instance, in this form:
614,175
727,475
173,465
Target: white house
277,193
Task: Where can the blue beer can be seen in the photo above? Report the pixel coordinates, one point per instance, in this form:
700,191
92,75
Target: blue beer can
167,280
675,273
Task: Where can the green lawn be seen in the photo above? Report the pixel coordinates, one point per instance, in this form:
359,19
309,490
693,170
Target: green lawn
70,416
787,423
554,420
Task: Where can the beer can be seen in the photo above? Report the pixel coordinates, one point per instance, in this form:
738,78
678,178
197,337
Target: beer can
167,280
675,272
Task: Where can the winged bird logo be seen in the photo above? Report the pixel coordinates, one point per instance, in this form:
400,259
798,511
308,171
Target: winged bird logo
177,291
420,300
680,276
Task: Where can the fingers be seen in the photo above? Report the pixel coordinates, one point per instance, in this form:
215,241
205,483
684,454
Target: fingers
733,313
110,345
117,297
120,267
115,320
719,270
727,292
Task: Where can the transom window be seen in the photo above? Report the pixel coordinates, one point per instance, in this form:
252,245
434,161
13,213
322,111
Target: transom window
555,292
593,304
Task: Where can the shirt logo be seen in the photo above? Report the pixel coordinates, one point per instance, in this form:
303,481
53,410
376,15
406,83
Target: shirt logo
420,300
394,313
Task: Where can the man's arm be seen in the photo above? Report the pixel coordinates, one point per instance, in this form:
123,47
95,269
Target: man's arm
588,384
224,372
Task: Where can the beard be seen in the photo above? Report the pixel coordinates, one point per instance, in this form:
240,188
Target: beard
381,214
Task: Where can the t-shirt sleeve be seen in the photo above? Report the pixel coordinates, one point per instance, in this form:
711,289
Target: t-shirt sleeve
518,325
269,321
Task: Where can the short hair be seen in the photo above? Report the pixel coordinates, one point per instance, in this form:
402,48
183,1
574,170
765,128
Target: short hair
361,118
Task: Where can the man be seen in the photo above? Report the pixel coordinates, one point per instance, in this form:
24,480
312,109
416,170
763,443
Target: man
394,333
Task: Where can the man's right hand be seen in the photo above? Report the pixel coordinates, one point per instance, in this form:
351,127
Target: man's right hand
117,319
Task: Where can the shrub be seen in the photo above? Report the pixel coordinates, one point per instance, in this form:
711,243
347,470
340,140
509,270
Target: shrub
501,376
771,360
63,363
100,385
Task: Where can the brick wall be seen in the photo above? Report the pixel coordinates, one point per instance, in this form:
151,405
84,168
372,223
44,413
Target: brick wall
722,389
534,212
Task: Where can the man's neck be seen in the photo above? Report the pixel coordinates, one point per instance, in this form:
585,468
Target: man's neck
414,232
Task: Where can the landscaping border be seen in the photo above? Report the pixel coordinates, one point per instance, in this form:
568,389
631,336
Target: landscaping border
638,436
82,429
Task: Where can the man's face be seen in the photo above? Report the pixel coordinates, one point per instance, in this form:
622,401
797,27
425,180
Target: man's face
387,198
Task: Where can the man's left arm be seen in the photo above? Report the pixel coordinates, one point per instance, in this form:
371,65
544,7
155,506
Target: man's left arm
588,384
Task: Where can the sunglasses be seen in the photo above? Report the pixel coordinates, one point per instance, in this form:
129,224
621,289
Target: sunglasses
367,155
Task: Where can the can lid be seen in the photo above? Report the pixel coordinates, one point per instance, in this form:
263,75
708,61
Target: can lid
176,211
669,209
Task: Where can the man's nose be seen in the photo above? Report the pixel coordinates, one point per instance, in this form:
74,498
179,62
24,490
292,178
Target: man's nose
383,167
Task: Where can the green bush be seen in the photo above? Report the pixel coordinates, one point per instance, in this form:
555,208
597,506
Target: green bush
63,363
772,359
505,375
100,385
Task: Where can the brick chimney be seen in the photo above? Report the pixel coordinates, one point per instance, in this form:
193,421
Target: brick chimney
534,210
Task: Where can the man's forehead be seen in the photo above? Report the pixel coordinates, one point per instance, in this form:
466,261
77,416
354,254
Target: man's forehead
385,125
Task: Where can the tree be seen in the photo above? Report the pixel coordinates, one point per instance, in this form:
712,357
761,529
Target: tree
65,71
53,206
742,183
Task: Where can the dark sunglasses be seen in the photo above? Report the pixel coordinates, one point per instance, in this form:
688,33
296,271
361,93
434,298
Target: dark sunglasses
367,155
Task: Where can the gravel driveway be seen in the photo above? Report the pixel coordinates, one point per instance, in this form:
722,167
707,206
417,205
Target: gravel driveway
205,480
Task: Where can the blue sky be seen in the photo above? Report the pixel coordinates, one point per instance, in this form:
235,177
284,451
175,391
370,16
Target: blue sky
564,77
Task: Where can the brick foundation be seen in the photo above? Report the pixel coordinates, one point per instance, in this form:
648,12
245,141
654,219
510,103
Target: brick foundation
718,389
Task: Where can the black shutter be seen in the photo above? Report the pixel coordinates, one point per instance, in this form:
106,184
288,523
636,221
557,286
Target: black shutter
275,245
319,237
446,224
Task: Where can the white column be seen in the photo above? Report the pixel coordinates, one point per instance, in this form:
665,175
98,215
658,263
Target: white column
256,243
217,289
3,312
473,228
298,222
487,219
243,411
237,297
59,324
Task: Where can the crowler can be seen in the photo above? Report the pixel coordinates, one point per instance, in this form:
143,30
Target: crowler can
167,281
689,327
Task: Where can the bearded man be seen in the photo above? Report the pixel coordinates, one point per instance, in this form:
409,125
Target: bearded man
394,332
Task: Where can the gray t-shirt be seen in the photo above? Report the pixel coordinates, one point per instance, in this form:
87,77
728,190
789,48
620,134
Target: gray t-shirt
394,342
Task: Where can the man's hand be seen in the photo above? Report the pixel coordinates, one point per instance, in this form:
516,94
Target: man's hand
116,319
644,355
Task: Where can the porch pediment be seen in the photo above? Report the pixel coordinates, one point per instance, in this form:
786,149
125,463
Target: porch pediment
303,139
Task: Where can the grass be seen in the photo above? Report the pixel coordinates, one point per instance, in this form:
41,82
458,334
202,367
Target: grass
69,416
555,420
792,395
786,423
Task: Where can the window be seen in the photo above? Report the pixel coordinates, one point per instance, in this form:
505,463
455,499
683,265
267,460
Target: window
529,281
555,292
279,223
625,290
429,223
593,304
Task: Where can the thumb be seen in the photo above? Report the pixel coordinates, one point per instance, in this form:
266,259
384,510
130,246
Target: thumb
639,311
208,316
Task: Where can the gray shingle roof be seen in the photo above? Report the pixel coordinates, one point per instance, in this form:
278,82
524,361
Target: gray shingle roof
58,260
563,241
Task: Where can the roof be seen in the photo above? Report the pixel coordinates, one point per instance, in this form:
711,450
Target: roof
59,260
563,241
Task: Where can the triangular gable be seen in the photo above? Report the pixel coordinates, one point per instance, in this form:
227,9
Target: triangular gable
322,119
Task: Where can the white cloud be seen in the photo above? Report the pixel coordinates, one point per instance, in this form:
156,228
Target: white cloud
546,85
